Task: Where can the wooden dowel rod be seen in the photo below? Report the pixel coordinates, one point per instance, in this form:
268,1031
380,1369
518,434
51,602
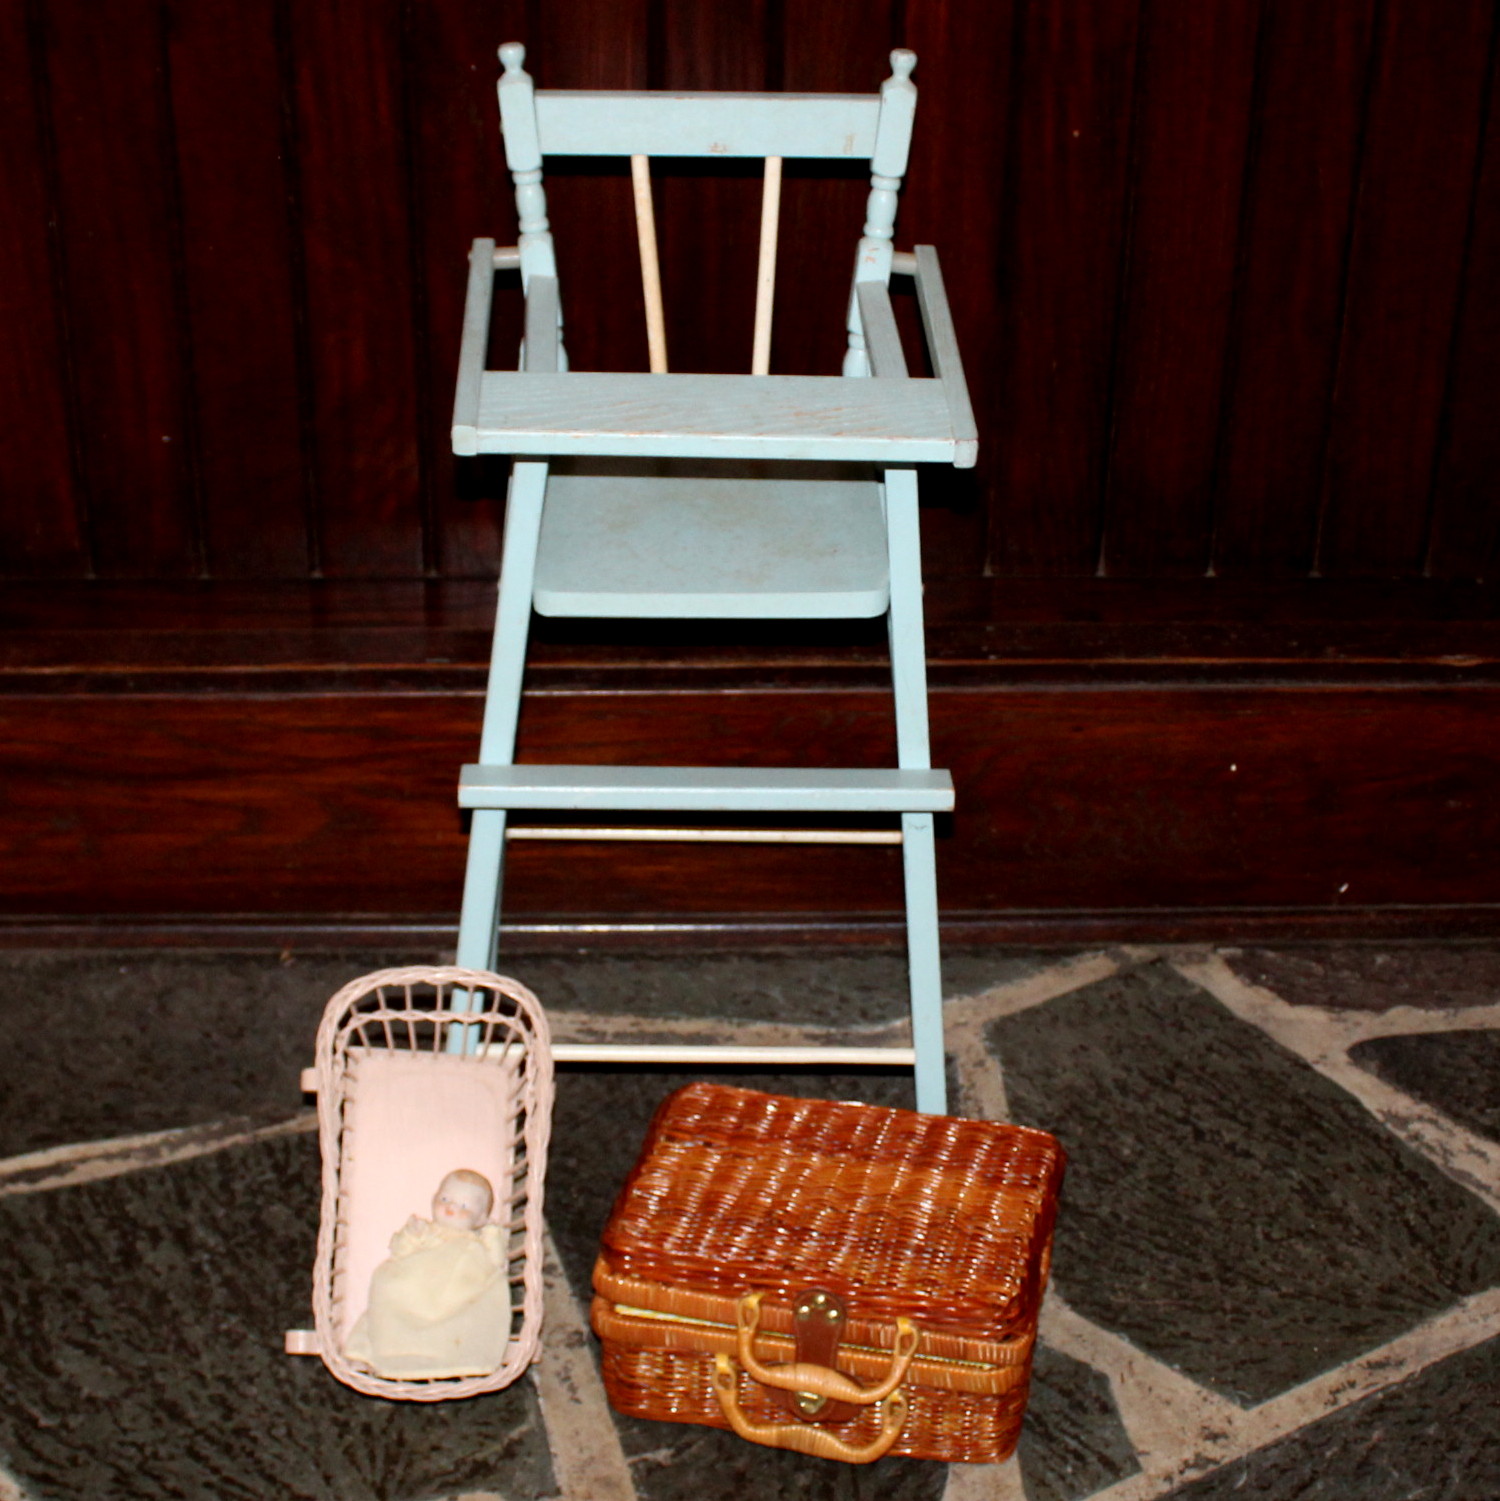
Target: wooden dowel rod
710,836
666,1052
645,230
765,278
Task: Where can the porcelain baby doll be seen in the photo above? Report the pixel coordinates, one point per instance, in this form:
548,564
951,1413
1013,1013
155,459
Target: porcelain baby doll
440,1306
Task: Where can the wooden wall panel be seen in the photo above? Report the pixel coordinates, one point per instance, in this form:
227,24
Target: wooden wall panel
118,218
226,85
951,200
1466,518
1192,111
1062,235
593,44
354,184
460,192
1411,221
1275,182
1140,804
42,527
707,225
1314,60
838,48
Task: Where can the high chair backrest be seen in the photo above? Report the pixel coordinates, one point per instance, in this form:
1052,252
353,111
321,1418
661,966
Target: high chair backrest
561,122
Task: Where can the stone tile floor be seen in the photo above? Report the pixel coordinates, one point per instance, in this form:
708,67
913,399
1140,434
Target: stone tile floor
1277,1270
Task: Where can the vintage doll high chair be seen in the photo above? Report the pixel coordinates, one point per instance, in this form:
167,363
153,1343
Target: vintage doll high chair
629,497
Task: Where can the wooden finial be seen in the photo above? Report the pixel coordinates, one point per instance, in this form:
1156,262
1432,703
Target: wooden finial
902,62
512,55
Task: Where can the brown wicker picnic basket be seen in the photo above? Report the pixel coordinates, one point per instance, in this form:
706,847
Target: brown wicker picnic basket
838,1279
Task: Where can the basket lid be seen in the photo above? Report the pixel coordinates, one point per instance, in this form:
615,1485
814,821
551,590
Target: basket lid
946,1221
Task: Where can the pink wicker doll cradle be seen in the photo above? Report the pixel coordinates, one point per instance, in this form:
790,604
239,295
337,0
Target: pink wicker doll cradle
420,1071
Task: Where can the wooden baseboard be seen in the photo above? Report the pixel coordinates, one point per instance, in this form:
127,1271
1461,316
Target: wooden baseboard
1307,781
1014,930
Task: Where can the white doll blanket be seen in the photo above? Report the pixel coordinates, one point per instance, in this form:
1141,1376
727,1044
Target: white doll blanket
440,1306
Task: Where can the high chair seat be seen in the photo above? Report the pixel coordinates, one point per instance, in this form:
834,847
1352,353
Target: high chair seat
668,540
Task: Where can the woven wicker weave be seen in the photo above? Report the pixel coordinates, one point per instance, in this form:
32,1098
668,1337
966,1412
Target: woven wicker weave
409,1011
944,1222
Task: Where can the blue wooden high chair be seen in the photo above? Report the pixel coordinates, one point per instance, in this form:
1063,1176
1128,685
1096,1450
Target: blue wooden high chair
630,496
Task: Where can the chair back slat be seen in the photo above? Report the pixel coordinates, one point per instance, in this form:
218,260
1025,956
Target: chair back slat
645,231
575,123
765,275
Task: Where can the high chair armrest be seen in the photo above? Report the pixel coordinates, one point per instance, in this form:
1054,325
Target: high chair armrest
542,342
475,342
882,338
942,347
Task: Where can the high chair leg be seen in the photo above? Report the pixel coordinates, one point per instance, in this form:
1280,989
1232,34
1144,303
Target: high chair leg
919,865
479,921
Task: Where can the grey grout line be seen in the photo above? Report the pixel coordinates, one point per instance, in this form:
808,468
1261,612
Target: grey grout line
587,1459
1323,1039
1158,1406
1318,1031
1031,990
1002,1482
90,1161
1166,1414
1361,1026
1469,1323
1178,1427
981,1079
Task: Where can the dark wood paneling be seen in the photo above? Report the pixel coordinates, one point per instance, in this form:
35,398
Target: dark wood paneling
240,288
354,182
1466,517
1096,799
287,191
836,48
963,76
41,525
1222,276
594,45
1314,60
1191,128
460,191
1411,220
118,219
1063,208
707,226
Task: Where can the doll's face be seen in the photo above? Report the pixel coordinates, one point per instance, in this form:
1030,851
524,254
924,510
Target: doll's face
462,1205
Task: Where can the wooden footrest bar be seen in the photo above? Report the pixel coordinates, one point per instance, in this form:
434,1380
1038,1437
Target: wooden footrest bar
706,789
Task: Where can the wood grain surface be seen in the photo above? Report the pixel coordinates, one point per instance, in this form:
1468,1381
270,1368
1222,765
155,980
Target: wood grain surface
1223,279
1170,783
1221,273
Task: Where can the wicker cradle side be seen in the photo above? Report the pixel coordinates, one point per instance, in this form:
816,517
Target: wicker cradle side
413,1010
